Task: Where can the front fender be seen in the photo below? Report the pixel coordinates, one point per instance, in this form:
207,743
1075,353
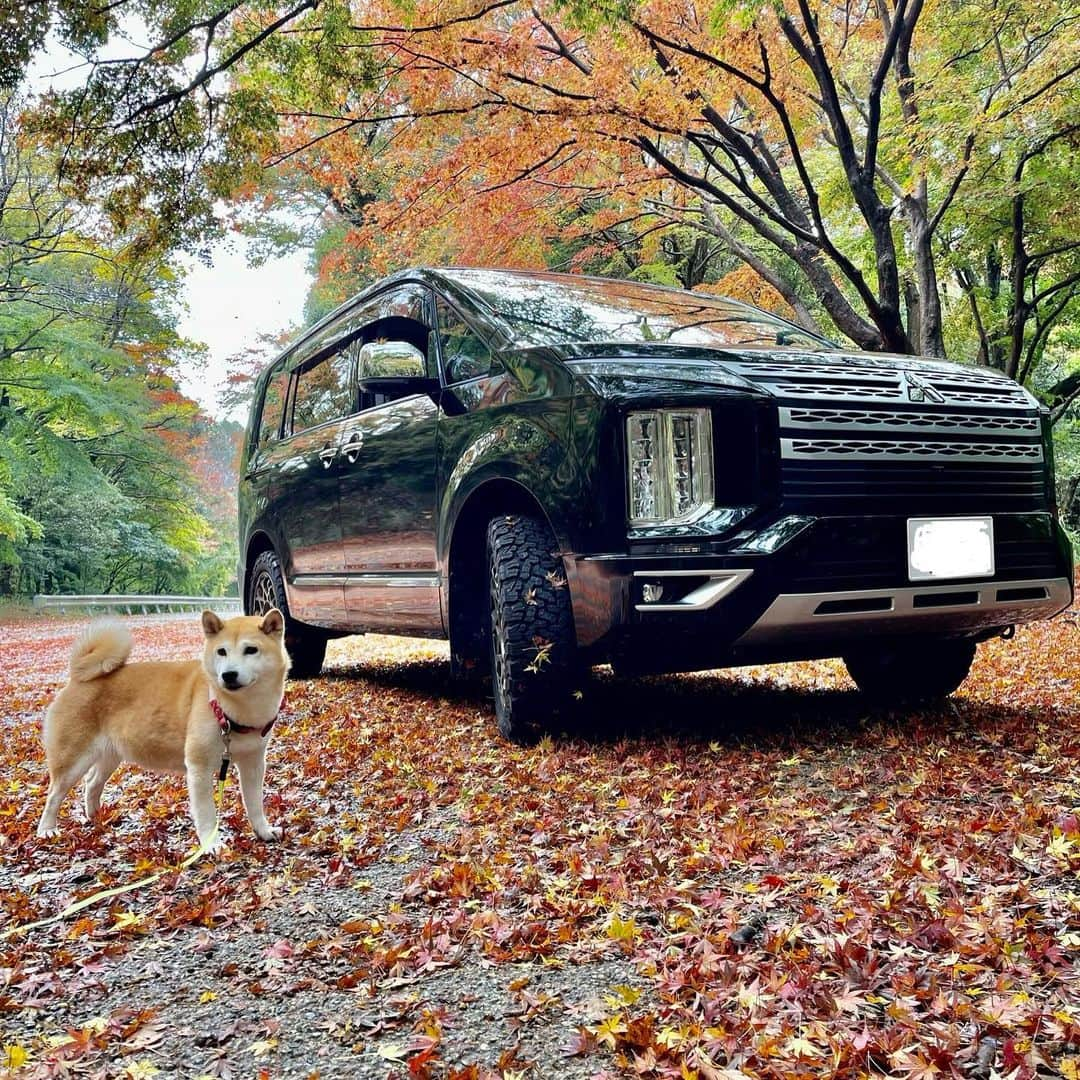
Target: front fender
517,460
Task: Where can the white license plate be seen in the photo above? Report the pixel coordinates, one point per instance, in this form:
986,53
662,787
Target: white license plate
950,548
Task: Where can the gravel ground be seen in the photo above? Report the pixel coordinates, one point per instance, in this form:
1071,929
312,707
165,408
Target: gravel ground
715,876
264,996
235,1002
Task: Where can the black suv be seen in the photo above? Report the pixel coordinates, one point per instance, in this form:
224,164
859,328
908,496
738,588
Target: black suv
553,471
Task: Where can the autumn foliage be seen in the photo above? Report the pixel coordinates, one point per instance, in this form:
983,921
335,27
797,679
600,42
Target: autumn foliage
748,874
883,168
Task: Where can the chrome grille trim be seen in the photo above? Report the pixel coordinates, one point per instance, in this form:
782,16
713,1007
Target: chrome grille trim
885,383
819,449
918,422
1007,394
878,391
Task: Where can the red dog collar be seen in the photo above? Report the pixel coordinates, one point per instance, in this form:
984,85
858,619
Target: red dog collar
228,725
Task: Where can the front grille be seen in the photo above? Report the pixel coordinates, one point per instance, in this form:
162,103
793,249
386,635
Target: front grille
876,438
1026,560
876,390
914,420
913,459
798,380
896,450
889,486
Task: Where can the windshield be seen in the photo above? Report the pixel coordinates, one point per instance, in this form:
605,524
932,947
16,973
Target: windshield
558,309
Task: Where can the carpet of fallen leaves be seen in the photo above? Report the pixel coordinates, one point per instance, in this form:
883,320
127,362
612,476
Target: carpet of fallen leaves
795,886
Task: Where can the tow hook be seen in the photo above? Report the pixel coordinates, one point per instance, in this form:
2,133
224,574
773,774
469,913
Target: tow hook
1008,633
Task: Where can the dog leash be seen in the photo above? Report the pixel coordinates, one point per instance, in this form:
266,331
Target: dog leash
89,901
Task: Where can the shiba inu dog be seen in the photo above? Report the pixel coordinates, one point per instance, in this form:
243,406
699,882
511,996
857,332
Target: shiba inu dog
184,716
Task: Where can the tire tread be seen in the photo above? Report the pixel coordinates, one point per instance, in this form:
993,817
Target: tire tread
527,571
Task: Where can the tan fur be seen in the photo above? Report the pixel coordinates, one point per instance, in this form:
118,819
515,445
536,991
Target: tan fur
157,714
101,650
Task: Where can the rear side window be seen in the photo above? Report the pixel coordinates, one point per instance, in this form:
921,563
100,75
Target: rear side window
323,391
273,407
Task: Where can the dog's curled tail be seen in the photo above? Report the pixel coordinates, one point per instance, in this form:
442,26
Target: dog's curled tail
102,649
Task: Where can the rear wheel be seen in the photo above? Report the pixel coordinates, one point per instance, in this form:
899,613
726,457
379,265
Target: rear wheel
306,647
531,629
913,672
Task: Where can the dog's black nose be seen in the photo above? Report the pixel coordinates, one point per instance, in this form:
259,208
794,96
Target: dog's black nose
230,678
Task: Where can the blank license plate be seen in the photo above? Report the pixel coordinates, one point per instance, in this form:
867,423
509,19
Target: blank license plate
950,548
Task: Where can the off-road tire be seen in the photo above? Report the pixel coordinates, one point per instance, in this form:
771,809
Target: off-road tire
911,673
531,627
306,647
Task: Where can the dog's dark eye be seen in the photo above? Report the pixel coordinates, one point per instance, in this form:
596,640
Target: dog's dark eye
250,650
222,652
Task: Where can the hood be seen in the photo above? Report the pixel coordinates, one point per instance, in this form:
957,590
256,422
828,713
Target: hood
799,376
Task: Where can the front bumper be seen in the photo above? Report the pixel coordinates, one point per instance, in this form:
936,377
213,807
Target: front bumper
939,609
797,588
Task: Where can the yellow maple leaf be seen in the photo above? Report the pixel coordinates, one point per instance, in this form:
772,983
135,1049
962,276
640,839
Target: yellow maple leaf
1060,847
128,920
140,1070
15,1056
797,1046
607,1031
207,996
669,1038
391,1051
621,929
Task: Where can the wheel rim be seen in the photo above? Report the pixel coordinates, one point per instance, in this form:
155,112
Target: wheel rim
263,597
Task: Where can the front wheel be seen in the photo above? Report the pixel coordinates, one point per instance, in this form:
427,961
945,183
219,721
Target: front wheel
306,647
913,672
531,628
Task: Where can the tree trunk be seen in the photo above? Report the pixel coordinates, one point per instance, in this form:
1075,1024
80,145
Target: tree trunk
931,340
914,310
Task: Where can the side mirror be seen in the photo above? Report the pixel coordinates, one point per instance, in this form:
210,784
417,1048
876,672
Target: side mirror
394,367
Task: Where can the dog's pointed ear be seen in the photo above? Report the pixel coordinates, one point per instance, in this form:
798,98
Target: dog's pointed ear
211,624
273,622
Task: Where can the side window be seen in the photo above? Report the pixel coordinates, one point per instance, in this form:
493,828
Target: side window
404,302
273,407
464,354
323,391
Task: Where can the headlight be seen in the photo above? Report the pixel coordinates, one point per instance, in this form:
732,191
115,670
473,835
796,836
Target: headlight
670,465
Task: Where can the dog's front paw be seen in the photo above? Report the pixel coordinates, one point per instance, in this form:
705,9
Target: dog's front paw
271,833
47,832
214,844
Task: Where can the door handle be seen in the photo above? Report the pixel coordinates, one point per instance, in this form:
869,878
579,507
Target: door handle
327,455
352,447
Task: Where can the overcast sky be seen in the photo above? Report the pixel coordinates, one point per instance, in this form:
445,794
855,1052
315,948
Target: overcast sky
230,304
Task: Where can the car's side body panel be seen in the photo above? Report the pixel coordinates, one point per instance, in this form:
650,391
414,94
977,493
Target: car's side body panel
388,502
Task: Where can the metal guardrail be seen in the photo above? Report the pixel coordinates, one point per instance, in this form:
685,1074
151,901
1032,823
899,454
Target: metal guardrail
135,604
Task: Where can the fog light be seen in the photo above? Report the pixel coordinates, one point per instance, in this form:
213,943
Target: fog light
652,594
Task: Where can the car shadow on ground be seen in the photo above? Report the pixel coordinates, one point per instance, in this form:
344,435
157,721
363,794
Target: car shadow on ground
726,707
